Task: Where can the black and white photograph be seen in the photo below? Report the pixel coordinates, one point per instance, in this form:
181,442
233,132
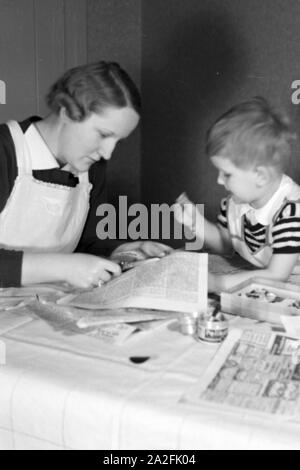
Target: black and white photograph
149,227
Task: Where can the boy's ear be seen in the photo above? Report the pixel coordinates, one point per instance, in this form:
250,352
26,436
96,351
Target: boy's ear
263,176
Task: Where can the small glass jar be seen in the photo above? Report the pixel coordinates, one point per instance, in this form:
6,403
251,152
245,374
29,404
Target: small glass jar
188,323
212,328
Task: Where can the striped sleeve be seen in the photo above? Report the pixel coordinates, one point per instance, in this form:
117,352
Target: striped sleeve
222,217
286,230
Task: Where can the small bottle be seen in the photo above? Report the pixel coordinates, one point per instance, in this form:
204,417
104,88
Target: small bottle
212,328
188,323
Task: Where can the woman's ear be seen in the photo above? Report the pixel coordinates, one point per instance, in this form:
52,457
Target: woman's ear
63,114
263,176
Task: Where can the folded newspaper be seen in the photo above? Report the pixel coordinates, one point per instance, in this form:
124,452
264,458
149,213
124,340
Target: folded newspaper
177,282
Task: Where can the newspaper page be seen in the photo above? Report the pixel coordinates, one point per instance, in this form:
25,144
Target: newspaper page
254,369
228,264
66,316
177,282
112,326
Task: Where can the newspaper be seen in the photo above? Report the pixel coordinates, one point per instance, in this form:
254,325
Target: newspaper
177,282
112,326
140,300
72,318
291,325
254,369
228,264
34,290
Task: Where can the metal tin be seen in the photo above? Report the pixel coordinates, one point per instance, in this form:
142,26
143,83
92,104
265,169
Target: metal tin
212,328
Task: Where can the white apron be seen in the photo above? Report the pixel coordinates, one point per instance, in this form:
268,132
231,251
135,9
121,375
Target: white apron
289,191
40,216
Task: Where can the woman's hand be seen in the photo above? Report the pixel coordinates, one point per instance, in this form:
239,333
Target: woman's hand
78,269
140,250
83,270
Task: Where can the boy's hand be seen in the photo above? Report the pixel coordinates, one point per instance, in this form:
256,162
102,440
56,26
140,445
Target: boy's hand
139,250
187,214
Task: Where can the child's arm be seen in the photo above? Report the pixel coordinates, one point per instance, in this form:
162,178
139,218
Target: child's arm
213,236
279,269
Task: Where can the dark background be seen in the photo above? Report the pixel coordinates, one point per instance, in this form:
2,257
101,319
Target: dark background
192,59
198,59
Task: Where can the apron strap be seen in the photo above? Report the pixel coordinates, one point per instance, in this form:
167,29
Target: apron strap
22,151
84,177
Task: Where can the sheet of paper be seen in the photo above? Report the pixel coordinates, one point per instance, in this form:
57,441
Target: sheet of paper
34,289
291,325
255,370
124,315
113,326
84,318
115,334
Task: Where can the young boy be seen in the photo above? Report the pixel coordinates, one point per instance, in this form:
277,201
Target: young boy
260,219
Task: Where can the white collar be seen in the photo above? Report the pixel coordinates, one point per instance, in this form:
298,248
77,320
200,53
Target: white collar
41,157
265,214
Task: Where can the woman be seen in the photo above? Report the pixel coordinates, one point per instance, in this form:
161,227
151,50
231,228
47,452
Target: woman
52,179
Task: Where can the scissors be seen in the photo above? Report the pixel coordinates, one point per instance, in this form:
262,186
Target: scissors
126,265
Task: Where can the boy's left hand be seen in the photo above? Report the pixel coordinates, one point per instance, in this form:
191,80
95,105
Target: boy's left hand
140,250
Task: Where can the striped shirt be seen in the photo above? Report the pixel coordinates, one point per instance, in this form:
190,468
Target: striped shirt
285,230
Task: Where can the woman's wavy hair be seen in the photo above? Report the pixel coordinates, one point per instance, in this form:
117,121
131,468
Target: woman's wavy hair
92,88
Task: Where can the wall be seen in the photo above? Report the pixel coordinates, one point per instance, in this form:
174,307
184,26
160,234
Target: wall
38,40
200,58
114,34
192,59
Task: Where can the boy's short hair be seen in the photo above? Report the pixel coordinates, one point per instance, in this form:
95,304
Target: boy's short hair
252,134
91,88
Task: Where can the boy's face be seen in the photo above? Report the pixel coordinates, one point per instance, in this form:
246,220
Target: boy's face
240,182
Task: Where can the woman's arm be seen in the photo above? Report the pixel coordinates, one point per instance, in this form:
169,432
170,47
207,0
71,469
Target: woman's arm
89,242
77,269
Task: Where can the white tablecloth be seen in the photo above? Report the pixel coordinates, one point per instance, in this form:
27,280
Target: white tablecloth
74,392
61,391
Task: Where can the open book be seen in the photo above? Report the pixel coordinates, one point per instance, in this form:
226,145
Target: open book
177,282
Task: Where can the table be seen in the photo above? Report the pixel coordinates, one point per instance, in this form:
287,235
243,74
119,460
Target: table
61,391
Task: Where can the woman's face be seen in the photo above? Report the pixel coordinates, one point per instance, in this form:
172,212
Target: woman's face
83,143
